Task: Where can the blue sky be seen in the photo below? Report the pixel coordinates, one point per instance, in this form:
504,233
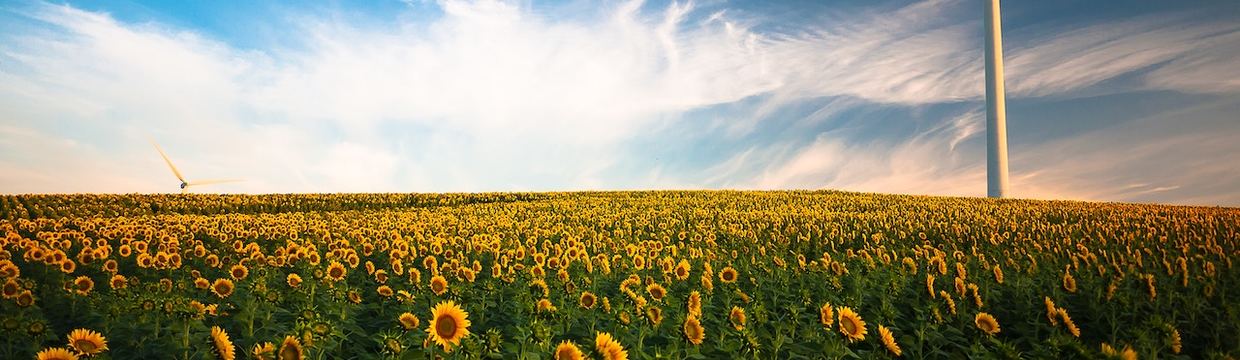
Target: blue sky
1113,101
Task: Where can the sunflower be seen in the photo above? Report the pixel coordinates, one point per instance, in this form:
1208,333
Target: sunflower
385,291
223,346
11,288
1052,313
889,341
728,275
264,351
1069,282
851,324
202,283
291,349
656,291
545,305
587,300
568,351
737,318
409,321
87,342
56,354
354,297
1174,338
655,315
694,331
293,280
448,324
1068,323
695,304
1126,354
439,285
826,315
25,298
682,270
118,282
609,348
238,271
222,287
986,323
930,285
336,271
82,285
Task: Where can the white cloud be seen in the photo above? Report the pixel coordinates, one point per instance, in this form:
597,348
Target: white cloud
494,96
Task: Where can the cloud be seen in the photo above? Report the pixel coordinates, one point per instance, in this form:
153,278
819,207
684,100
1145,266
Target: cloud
493,95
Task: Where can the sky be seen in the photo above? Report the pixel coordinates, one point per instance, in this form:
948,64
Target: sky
1132,100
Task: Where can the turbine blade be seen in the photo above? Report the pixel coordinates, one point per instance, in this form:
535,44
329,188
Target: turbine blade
169,162
213,181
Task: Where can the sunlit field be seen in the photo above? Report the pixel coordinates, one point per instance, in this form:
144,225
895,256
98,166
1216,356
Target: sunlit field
637,275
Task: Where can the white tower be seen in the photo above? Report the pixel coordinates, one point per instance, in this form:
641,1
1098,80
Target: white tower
996,113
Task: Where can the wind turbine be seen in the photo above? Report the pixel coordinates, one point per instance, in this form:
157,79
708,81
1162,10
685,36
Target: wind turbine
186,184
996,109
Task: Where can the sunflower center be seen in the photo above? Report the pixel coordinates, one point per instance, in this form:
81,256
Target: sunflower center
849,326
289,352
85,345
445,327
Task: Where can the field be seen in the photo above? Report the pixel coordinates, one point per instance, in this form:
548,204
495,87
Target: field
606,275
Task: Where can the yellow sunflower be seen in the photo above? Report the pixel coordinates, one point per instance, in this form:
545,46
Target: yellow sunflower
587,300
889,340
449,323
655,315
56,354
336,271
82,285
223,346
567,351
851,324
609,348
291,349
264,351
728,275
118,282
545,305
238,271
385,291
87,342
25,298
826,315
695,304
1126,354
737,318
293,280
694,331
409,321
682,269
1052,313
222,287
11,288
656,291
439,285
1068,323
986,323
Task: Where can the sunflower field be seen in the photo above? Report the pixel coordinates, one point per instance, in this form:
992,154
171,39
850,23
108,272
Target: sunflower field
613,275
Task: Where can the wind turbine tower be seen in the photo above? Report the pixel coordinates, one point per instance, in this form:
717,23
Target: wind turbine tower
996,113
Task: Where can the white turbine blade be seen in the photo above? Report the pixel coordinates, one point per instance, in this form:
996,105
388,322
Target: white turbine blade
169,162
213,181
